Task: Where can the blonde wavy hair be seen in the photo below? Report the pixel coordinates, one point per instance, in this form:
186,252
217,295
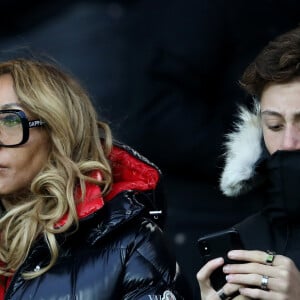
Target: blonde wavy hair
79,144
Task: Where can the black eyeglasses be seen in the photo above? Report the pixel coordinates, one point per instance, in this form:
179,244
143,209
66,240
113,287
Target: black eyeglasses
14,127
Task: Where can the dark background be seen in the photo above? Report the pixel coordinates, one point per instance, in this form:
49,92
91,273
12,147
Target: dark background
164,73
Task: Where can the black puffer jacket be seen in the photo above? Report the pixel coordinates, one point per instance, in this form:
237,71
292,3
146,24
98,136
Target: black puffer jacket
119,252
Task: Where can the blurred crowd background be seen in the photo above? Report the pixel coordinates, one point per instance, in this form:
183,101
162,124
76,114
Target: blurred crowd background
164,74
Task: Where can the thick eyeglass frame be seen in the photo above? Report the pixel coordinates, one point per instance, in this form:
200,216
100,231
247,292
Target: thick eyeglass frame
26,125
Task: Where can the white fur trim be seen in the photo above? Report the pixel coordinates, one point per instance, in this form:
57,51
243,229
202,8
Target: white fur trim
243,149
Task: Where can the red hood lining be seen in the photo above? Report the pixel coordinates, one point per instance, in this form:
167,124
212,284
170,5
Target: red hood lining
129,173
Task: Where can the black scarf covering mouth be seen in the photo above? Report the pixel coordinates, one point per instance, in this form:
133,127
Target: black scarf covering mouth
282,171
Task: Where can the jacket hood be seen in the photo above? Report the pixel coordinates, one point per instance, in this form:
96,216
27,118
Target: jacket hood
131,172
243,150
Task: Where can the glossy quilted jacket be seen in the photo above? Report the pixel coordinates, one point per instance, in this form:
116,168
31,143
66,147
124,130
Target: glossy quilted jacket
119,252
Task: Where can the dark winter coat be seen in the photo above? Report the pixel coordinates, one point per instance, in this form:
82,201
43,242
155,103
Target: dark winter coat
118,252
251,169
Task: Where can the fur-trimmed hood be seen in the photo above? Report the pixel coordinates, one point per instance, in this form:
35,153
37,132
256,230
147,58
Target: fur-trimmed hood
243,151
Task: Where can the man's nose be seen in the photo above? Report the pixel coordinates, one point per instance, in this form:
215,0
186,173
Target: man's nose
291,139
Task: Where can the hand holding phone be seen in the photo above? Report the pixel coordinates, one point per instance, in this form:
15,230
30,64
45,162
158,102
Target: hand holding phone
218,244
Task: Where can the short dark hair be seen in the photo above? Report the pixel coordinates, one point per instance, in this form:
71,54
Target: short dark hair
278,62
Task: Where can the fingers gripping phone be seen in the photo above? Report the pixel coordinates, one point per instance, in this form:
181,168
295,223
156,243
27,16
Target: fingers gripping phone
217,245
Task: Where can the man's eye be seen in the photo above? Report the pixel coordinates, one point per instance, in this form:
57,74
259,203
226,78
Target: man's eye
275,127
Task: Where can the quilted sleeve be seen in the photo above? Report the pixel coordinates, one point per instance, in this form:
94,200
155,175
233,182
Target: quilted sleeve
151,270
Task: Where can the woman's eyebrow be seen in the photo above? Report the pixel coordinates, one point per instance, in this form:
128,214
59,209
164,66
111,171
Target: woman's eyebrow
10,105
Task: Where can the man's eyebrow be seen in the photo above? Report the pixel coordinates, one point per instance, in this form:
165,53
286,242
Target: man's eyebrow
273,113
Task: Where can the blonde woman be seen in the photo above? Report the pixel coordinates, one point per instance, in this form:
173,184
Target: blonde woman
78,212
